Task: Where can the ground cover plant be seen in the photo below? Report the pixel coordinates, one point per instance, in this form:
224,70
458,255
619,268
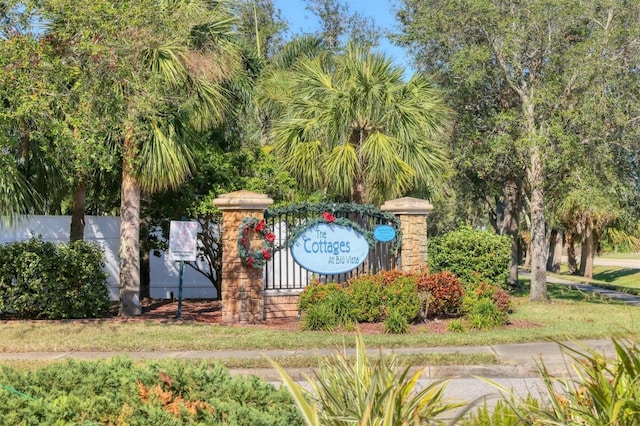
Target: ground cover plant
121,392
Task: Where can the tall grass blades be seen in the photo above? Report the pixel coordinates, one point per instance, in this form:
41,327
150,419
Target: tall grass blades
604,391
362,392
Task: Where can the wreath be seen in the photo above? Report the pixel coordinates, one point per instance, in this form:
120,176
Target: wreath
255,258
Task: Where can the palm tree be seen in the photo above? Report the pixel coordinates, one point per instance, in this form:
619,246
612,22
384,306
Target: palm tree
351,125
159,65
185,74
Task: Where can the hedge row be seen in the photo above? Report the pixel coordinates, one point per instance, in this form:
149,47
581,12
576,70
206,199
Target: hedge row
40,279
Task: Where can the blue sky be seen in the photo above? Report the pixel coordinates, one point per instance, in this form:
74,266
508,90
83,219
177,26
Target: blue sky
301,20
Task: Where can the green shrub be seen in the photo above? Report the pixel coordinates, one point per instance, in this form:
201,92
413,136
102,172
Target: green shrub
401,296
456,326
319,317
118,391
484,314
366,294
361,392
42,280
314,293
396,323
334,310
341,305
445,293
497,295
472,256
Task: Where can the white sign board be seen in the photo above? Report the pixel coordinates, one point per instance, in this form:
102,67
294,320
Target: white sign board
183,240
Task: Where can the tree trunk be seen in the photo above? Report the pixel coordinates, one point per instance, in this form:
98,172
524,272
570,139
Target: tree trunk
552,244
129,237
555,250
539,245
76,232
510,226
587,251
571,253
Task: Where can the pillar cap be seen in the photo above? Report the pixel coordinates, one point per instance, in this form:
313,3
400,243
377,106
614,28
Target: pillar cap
243,200
407,205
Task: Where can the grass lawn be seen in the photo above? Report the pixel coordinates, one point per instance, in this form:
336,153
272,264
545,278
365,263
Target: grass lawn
570,315
614,277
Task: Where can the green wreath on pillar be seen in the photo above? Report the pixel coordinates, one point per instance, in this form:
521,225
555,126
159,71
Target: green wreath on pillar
255,258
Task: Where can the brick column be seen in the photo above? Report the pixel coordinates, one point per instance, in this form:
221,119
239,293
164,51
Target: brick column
413,222
242,286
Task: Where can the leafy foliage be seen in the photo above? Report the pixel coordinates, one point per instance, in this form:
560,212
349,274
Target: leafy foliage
41,280
483,314
444,293
604,391
120,391
374,296
396,323
401,296
350,124
367,297
314,293
472,256
367,393
486,306
334,309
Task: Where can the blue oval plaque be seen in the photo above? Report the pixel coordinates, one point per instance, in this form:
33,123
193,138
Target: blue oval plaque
330,249
384,233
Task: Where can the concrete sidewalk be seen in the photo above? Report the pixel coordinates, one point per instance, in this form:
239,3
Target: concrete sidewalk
514,360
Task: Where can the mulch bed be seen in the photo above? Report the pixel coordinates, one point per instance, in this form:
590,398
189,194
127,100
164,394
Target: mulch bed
209,312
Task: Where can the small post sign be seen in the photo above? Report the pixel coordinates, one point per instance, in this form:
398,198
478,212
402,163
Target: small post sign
183,240
183,246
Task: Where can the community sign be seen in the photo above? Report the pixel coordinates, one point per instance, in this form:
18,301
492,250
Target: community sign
328,248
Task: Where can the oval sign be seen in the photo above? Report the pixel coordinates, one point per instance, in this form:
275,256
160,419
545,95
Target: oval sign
330,249
384,233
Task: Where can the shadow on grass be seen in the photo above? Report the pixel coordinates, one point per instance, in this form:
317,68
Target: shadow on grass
614,274
564,292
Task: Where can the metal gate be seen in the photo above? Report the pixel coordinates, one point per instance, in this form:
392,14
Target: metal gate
282,272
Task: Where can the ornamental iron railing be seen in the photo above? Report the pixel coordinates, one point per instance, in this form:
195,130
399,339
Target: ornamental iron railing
283,273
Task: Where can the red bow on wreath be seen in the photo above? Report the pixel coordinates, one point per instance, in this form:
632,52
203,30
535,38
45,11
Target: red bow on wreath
328,217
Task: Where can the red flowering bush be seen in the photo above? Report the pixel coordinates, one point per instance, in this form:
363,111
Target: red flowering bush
444,293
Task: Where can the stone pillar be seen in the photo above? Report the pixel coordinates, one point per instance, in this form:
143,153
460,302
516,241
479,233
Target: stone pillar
413,222
242,286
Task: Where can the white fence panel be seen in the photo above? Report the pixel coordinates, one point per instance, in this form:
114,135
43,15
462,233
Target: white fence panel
105,231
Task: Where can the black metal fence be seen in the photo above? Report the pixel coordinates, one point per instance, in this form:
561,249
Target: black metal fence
283,273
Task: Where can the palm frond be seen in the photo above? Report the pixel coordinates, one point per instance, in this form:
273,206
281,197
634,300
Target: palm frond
342,167
17,197
165,158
